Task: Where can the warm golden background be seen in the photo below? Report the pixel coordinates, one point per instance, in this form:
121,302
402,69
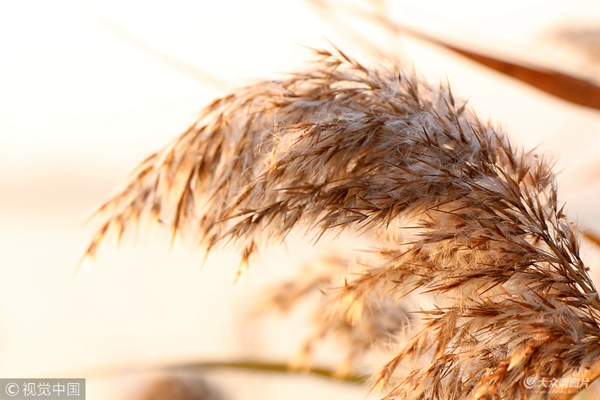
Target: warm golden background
89,88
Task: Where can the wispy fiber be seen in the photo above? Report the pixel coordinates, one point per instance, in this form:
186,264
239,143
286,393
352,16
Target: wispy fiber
459,213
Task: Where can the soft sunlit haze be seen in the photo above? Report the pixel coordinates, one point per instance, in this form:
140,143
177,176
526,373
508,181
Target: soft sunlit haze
90,88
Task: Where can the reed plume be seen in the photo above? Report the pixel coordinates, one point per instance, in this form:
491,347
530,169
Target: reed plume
458,213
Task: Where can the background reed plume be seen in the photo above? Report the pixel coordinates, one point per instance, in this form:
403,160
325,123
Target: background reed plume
456,211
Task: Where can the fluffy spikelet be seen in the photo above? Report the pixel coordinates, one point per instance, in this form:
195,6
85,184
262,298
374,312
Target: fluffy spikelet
343,147
381,321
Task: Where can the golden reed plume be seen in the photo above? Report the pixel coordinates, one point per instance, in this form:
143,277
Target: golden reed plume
458,213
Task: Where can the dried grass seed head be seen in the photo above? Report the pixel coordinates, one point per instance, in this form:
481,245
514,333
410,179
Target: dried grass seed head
342,146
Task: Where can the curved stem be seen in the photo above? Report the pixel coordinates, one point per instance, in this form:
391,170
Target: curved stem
249,365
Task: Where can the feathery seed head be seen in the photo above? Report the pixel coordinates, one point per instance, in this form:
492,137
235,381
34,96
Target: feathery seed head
459,213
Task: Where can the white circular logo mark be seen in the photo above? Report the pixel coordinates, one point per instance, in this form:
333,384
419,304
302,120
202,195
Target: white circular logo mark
12,389
530,382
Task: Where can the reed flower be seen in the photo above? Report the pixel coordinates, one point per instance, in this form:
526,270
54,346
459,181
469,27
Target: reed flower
457,212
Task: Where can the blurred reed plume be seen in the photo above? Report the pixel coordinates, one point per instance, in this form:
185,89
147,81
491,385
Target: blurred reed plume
584,40
381,323
176,387
457,212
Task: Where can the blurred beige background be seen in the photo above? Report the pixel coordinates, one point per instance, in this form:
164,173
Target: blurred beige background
89,88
